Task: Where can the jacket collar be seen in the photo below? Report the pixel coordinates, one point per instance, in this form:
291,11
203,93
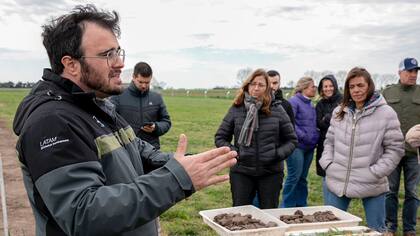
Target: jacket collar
303,98
67,85
406,87
375,101
135,91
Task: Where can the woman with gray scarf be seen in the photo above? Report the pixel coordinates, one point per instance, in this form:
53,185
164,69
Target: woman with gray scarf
263,137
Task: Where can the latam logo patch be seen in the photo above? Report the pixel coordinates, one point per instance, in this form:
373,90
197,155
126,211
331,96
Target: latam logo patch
49,142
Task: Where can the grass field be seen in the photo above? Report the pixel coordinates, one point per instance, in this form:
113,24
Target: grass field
198,118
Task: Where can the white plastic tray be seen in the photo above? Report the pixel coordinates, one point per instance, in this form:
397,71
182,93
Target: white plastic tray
356,230
208,216
346,219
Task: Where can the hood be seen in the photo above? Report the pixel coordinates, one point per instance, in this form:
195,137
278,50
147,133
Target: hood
333,81
375,101
52,87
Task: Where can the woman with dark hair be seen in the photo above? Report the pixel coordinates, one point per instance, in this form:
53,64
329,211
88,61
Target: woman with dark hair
295,193
330,98
362,147
263,137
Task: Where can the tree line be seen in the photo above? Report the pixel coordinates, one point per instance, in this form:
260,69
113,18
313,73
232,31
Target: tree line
381,80
19,84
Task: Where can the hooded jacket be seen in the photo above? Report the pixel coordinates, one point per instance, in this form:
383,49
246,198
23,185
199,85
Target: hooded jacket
83,169
362,149
324,109
139,108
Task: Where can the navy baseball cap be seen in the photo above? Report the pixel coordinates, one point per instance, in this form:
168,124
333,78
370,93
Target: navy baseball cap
409,64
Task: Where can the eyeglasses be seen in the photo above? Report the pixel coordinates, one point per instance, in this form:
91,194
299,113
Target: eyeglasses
111,56
257,84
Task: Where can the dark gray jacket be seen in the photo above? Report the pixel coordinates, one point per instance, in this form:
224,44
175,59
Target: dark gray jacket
139,108
274,140
83,169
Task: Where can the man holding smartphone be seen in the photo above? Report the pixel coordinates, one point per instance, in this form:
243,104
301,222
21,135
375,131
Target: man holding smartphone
143,109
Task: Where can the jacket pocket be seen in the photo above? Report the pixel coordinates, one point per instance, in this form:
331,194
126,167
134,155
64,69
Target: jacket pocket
416,101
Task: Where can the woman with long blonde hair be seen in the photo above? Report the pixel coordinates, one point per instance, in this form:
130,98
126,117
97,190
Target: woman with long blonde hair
295,191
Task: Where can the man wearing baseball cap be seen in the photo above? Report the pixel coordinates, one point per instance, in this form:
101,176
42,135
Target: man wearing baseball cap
404,98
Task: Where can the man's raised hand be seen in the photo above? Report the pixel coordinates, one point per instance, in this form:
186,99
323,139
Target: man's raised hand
203,167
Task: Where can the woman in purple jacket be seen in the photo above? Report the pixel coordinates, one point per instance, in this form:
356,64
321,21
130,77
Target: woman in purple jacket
295,191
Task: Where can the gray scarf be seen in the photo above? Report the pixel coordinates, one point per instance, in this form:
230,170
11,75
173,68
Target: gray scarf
252,106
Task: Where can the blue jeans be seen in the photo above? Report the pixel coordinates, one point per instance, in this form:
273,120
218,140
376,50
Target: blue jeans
410,166
374,209
325,191
295,192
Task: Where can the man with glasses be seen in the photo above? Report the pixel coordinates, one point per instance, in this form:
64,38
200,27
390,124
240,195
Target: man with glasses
82,163
143,109
404,98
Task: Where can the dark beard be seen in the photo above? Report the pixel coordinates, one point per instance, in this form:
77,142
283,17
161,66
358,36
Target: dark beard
92,80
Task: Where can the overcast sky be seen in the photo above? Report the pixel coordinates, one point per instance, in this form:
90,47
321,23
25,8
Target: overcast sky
202,44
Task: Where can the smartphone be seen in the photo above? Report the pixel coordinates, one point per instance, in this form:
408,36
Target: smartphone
148,124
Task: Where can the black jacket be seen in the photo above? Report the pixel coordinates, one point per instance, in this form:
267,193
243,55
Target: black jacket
324,109
279,99
83,168
139,108
273,142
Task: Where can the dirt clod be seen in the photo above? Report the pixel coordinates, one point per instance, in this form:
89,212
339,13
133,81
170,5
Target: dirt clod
237,221
298,217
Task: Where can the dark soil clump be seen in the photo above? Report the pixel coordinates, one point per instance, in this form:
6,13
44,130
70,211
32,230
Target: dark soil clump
298,217
236,222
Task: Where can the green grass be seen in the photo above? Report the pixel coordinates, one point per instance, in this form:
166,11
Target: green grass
9,100
198,118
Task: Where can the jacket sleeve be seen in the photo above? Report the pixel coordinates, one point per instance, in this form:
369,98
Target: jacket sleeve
328,154
322,120
288,108
413,136
72,184
163,124
301,135
393,146
288,139
152,157
225,132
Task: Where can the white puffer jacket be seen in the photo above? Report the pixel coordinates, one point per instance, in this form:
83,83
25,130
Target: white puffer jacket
362,149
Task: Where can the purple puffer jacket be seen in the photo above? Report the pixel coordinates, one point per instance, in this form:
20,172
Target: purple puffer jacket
305,126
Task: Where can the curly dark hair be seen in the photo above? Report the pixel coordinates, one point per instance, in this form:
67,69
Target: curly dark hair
63,36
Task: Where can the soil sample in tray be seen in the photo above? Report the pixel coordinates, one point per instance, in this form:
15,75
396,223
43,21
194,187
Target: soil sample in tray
299,218
235,222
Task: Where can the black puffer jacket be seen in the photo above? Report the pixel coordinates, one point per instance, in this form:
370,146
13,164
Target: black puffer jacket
324,109
139,108
279,99
273,142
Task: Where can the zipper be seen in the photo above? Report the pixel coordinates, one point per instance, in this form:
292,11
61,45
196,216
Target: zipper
353,129
256,147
